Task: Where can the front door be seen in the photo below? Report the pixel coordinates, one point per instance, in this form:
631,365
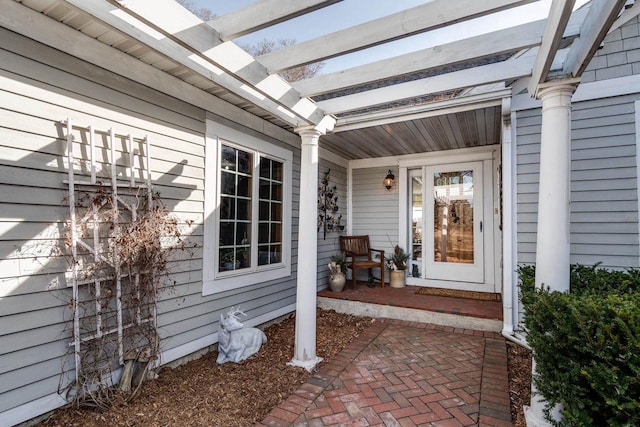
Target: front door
448,227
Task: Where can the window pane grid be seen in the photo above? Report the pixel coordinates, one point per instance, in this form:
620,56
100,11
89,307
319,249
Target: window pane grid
234,251
270,212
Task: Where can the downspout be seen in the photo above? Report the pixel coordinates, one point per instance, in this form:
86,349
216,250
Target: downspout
509,238
507,218
516,338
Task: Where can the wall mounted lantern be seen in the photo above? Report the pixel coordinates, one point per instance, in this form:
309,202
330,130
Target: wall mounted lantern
389,180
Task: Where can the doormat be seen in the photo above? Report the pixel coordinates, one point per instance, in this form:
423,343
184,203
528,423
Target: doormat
454,293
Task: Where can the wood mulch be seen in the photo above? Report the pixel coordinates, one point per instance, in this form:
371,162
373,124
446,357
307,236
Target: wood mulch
203,393
519,362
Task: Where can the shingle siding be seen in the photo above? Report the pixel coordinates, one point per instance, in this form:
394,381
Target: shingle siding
619,55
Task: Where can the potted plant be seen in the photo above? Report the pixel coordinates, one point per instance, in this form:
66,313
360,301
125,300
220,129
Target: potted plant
227,260
337,269
397,264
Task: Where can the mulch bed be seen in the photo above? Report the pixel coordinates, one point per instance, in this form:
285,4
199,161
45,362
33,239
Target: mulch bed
203,393
519,361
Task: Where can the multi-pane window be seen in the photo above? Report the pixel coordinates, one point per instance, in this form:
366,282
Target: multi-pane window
270,212
236,170
247,207
237,204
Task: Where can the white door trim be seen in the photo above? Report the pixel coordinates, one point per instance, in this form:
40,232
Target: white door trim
490,156
473,272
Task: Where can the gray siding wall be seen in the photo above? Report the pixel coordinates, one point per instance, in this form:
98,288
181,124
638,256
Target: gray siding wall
604,175
331,245
604,217
619,55
604,194
375,209
39,87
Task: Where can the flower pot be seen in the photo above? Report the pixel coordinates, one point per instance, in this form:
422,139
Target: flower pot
337,282
397,278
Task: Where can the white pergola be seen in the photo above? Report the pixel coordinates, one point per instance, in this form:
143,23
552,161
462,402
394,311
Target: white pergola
477,75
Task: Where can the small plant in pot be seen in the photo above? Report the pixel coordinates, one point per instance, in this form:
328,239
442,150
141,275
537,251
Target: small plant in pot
397,264
337,270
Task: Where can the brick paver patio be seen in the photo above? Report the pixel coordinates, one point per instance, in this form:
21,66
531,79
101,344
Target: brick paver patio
399,373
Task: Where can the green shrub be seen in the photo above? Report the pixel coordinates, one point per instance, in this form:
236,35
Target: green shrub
587,345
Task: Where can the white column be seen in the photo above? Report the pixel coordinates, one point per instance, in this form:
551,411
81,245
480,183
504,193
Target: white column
552,248
305,340
553,238
508,183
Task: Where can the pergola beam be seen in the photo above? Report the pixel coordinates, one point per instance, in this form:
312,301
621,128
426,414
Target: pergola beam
626,16
594,29
498,72
495,43
197,46
262,14
556,24
429,16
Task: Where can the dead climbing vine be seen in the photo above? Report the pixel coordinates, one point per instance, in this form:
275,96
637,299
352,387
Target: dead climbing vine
125,244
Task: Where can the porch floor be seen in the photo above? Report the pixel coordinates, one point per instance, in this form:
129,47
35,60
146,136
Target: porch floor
400,373
406,304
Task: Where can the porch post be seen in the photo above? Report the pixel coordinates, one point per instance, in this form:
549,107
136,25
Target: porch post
305,336
554,198
552,247
507,222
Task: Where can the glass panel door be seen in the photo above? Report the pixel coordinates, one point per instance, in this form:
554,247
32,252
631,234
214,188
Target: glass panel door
453,222
417,223
453,216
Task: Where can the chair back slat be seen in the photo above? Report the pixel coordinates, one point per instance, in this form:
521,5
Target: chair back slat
357,245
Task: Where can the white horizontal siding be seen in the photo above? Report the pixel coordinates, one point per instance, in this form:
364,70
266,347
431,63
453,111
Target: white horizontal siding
34,297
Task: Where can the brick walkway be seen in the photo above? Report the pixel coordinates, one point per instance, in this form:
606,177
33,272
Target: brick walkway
400,373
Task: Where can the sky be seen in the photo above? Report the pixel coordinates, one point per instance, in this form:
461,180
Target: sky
352,12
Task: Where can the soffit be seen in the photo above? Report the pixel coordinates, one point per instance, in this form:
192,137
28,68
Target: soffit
473,128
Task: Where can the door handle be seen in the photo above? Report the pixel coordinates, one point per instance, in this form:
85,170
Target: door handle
481,226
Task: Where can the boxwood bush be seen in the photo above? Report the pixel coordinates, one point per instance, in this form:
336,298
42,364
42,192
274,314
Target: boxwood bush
586,344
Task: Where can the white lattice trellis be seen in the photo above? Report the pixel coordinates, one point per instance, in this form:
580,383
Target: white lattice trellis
99,206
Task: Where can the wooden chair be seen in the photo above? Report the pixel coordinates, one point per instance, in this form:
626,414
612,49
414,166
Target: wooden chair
359,255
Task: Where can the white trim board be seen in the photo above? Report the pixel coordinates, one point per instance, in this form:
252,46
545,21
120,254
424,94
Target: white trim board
586,91
416,112
332,157
509,224
637,116
435,157
350,198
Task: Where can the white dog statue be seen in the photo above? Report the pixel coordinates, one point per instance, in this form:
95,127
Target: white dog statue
235,342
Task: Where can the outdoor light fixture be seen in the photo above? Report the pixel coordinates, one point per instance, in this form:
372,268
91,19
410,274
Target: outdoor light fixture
389,180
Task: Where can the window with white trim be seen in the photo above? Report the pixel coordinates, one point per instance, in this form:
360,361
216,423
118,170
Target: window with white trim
247,210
